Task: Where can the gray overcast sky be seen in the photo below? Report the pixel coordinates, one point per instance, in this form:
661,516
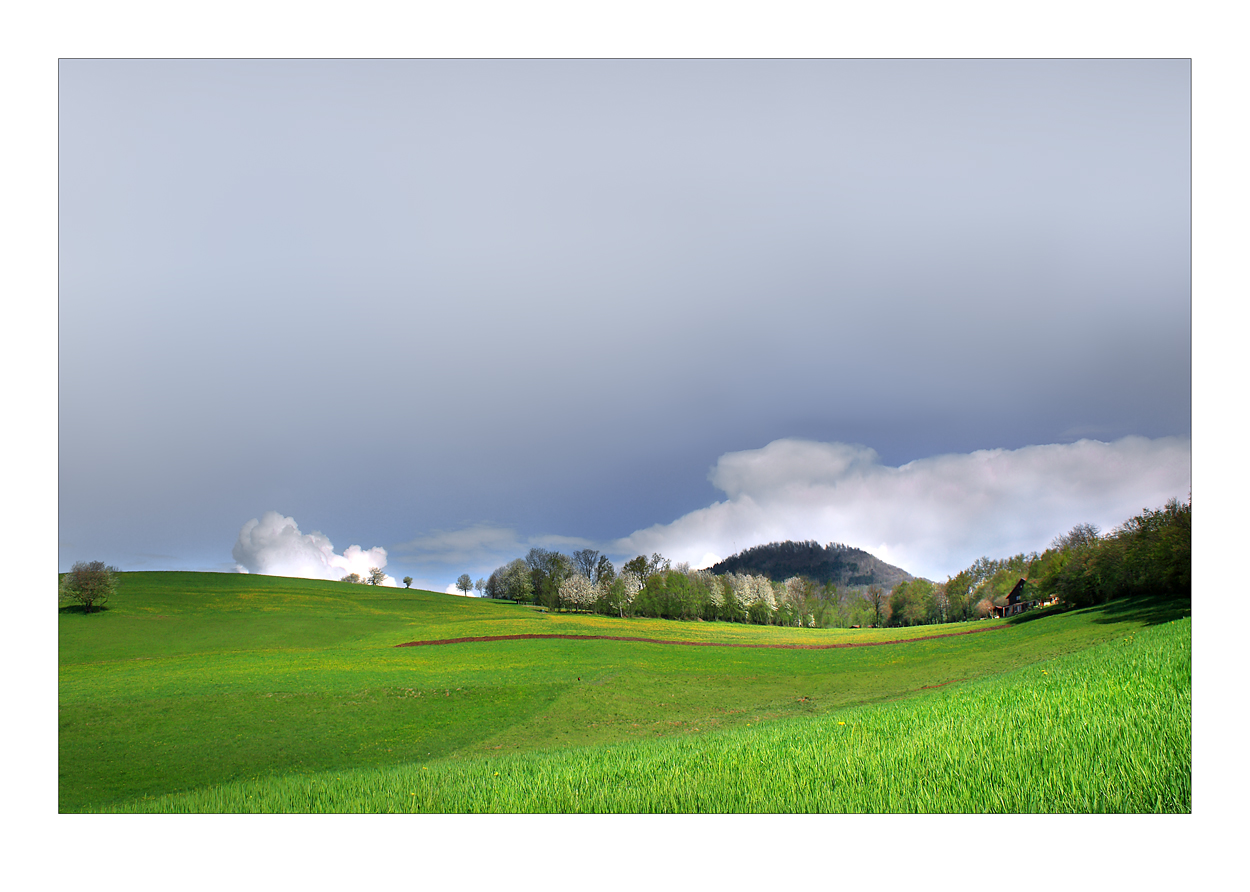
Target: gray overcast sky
418,303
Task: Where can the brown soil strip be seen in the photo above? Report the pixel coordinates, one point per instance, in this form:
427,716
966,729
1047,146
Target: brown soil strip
929,687
697,643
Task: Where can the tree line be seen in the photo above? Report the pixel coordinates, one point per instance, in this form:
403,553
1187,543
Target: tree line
1147,555
376,577
653,587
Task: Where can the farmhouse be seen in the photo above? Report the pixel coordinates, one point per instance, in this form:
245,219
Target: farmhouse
1015,602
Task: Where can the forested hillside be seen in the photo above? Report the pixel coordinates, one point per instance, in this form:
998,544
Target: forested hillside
806,584
840,565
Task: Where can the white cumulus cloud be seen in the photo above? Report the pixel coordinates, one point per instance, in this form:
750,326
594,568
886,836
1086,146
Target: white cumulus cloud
274,546
933,516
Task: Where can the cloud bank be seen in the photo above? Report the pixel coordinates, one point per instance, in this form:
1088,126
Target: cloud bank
932,517
274,546
479,549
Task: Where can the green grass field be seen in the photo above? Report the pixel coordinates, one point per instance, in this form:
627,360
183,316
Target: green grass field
218,692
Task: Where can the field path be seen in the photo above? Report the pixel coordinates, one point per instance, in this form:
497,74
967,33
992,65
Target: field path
697,643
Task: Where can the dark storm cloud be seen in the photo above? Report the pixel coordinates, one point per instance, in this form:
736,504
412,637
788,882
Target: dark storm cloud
396,298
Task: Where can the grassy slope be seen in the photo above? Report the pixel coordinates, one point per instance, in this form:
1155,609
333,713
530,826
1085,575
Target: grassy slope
1105,729
199,679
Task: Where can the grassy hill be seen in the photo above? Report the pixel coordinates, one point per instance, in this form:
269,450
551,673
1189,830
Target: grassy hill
193,683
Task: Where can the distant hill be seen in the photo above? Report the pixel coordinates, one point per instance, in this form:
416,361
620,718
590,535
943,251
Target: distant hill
842,565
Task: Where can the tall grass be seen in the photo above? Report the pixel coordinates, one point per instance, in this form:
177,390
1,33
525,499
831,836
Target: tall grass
1106,729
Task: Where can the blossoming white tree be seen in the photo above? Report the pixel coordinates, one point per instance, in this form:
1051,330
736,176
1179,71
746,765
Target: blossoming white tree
749,590
710,583
743,593
578,592
767,592
760,591
627,587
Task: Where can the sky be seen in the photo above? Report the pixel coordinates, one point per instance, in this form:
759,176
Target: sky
440,312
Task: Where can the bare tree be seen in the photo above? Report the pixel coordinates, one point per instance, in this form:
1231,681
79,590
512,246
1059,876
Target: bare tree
464,583
376,576
90,584
877,600
585,561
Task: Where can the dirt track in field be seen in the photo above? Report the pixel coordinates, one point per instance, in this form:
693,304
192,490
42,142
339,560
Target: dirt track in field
697,643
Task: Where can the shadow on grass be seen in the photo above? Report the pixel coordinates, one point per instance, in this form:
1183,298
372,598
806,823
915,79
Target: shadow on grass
1152,611
78,608
1029,616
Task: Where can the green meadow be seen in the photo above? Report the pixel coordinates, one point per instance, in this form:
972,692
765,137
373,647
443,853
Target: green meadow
222,692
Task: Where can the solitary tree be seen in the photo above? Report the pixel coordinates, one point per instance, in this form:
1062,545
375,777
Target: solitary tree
89,584
464,583
407,582
480,586
376,576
